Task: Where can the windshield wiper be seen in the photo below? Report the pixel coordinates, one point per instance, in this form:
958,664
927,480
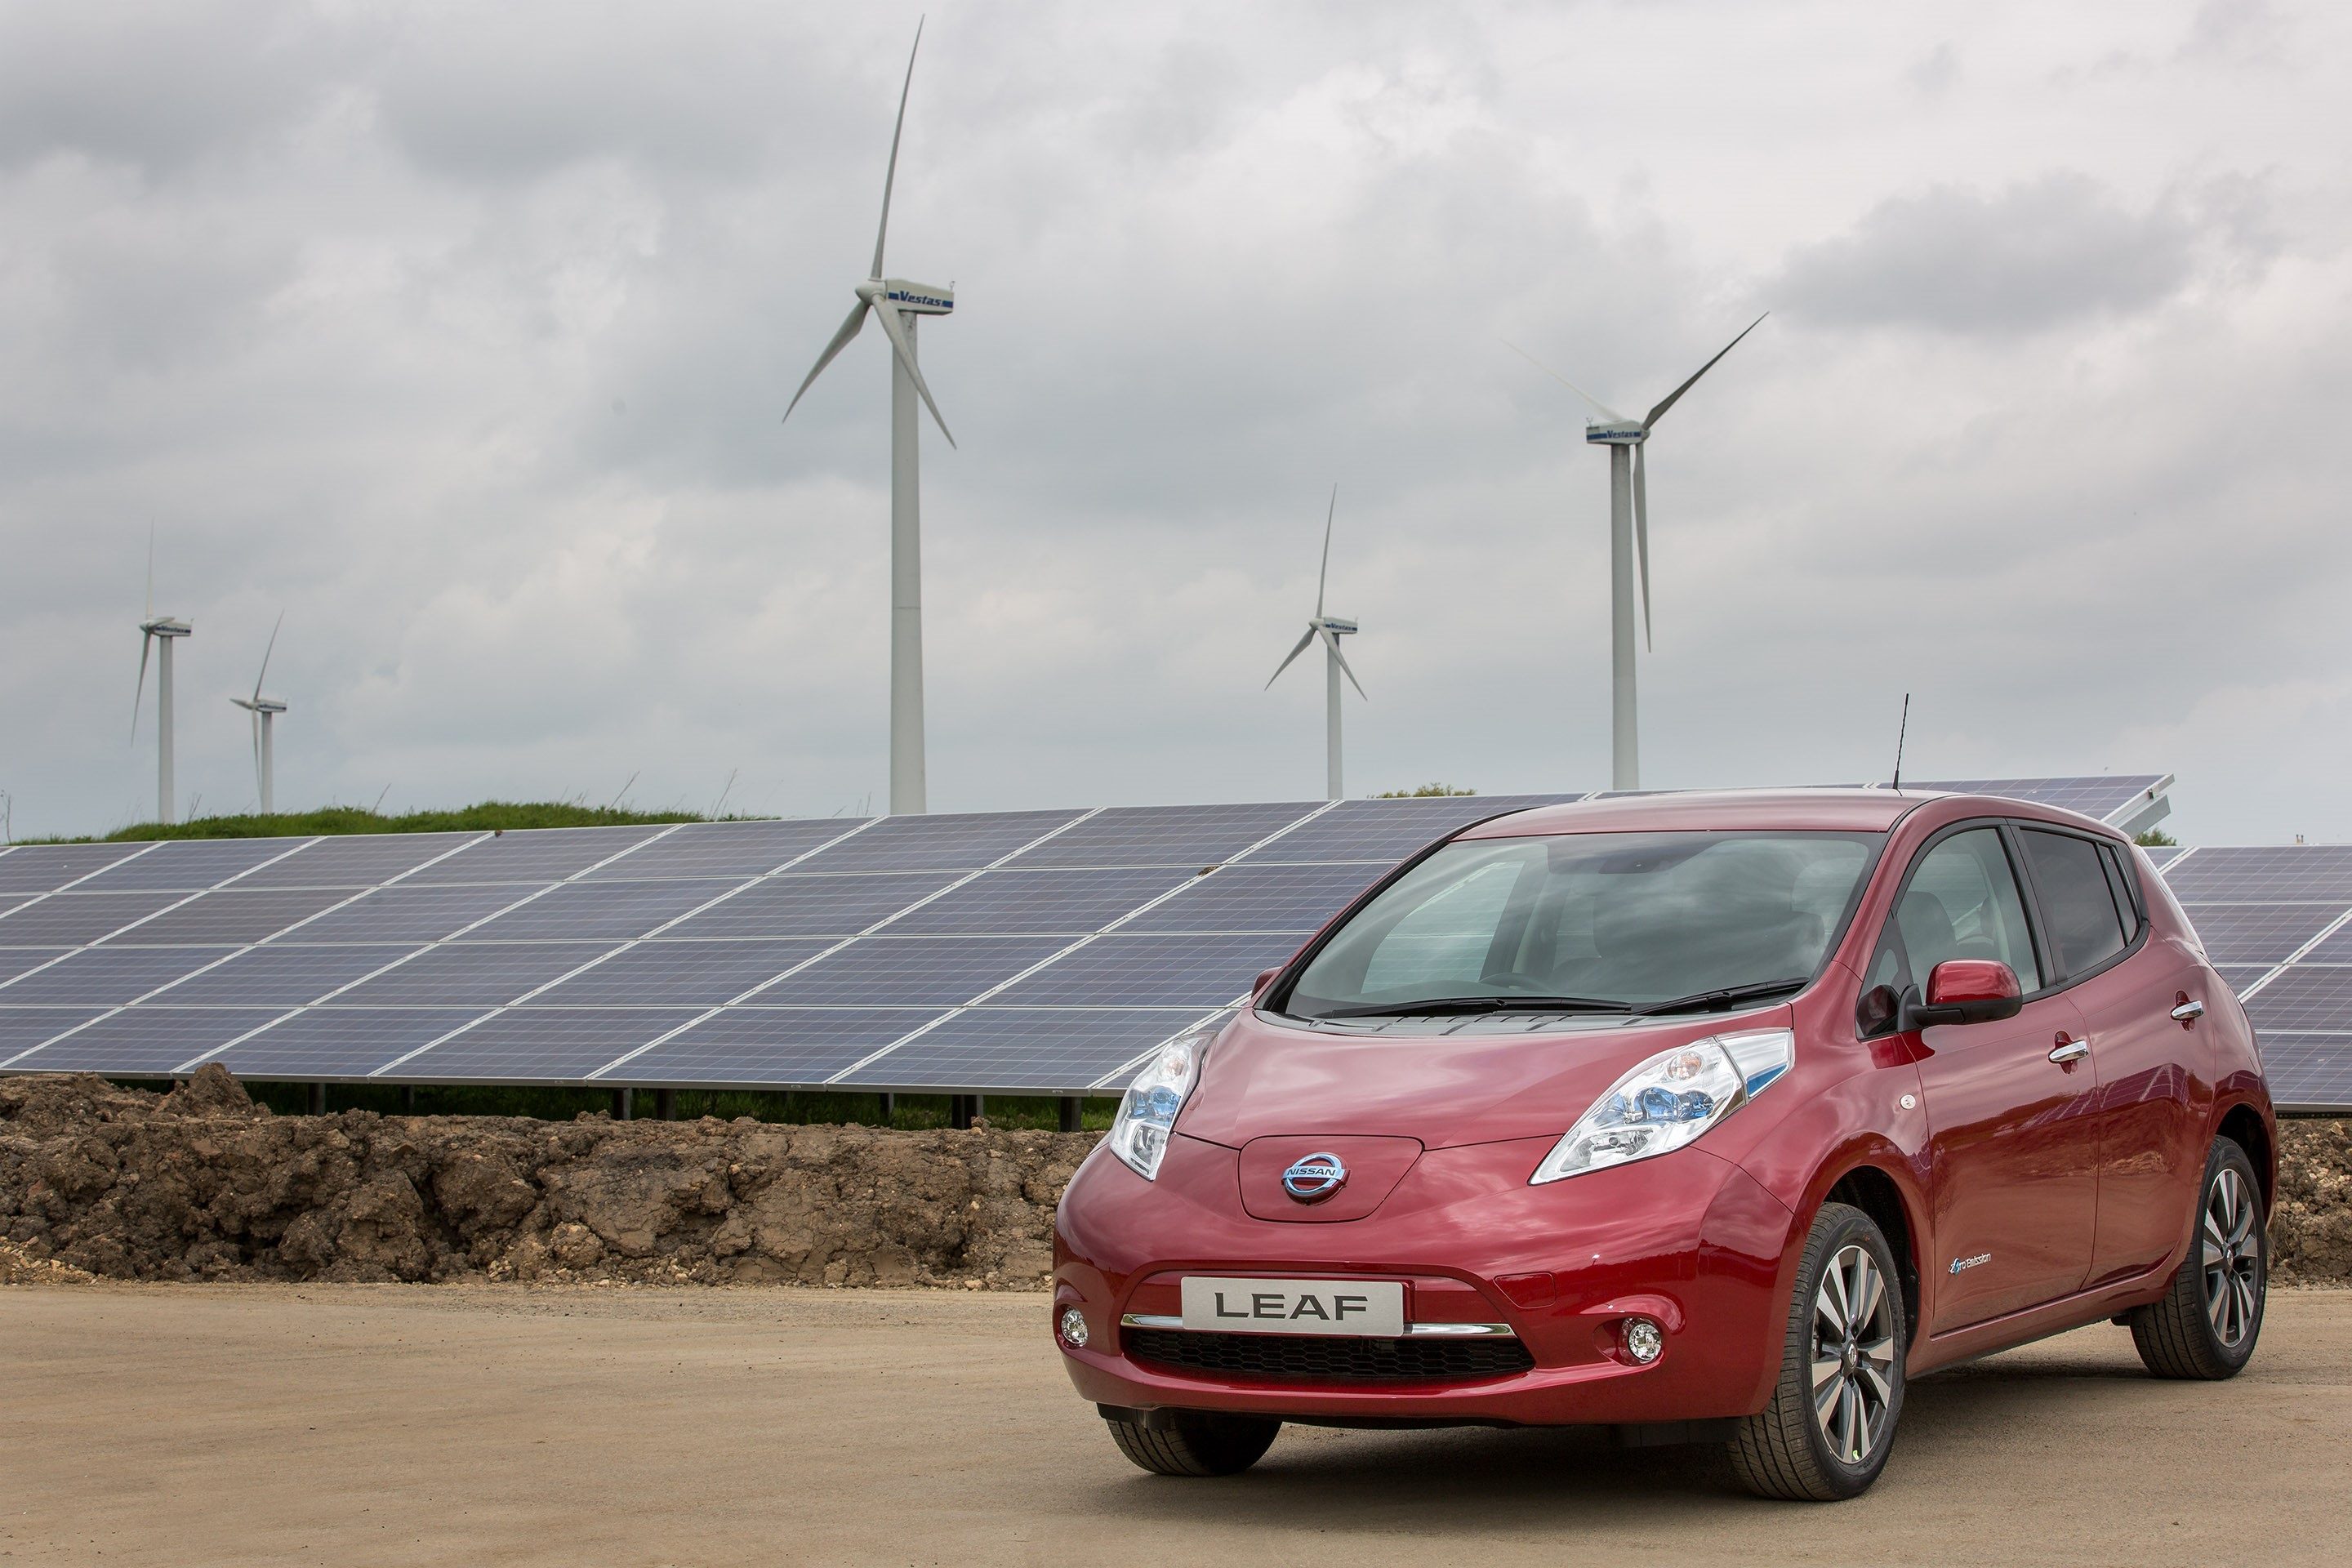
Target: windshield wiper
1439,1006
1699,1001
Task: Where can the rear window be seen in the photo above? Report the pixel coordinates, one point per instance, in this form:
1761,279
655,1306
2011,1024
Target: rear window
1624,920
2078,900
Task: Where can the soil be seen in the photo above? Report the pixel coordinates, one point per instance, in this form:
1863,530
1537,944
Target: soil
202,1183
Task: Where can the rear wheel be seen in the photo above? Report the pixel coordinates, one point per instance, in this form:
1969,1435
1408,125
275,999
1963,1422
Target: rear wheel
2206,1323
1831,1423
1196,1442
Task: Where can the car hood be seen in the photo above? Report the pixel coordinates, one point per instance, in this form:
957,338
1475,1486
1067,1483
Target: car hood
1263,1079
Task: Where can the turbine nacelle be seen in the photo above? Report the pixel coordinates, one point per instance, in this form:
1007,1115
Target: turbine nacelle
1337,625
166,627
915,299
1616,433
260,704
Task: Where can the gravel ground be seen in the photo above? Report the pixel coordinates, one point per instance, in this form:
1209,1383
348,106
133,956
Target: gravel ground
485,1424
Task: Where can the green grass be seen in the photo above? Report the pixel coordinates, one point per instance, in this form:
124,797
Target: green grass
910,1112
490,815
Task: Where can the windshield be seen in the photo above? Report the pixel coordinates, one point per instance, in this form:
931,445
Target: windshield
1593,922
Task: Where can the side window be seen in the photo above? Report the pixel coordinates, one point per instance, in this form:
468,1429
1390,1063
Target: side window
2077,898
1963,903
2125,889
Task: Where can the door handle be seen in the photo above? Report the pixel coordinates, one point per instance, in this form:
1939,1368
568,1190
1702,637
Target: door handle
2069,1051
2189,1012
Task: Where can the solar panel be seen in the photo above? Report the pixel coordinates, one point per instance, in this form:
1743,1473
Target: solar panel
750,1046
72,918
910,971
2305,997
1293,898
537,855
1183,836
2259,933
733,849
151,1041
605,912
188,864
341,1042
963,843
2103,797
805,905
406,913
1157,971
543,1045
15,961
1389,830
357,861
2277,871
682,973
283,976
1013,1048
45,867
109,975
486,974
2335,948
1067,903
24,1028
233,915
2308,1071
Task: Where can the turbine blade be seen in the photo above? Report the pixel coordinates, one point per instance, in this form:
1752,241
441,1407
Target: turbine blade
1674,397
840,342
1611,413
888,315
1325,575
1641,538
146,641
151,579
1293,653
1331,640
890,177
266,652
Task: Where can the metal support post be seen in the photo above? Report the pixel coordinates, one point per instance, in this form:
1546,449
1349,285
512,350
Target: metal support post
665,1104
1074,1110
623,1103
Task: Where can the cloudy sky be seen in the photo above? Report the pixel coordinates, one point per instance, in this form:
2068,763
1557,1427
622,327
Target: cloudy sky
460,333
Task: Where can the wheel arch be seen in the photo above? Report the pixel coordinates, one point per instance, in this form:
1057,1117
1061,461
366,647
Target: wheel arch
2245,1126
1876,1191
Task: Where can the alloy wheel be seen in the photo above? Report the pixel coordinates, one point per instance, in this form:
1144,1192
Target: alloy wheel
1854,1354
2232,1258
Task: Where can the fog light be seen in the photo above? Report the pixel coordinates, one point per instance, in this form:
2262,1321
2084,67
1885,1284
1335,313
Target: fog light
1645,1340
1073,1329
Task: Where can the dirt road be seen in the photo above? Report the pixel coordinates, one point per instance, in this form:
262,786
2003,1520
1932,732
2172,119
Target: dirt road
407,1425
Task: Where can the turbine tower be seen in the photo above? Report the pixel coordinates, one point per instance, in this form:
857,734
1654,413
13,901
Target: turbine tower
1629,535
264,709
158,633
1330,628
896,303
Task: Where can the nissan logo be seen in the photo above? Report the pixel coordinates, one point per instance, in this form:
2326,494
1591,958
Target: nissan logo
1315,1178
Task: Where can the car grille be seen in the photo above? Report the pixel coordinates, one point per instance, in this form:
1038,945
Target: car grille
1306,1358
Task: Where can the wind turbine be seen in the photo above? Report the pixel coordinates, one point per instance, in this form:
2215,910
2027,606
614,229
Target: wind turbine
264,709
158,632
896,303
1629,531
1330,628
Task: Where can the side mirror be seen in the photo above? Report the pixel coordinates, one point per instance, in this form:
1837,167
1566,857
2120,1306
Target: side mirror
1258,986
1964,991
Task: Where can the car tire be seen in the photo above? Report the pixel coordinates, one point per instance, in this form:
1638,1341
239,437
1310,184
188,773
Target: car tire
1831,1423
1196,1443
2206,1325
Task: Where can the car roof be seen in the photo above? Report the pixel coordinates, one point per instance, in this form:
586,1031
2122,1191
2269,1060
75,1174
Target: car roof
1803,810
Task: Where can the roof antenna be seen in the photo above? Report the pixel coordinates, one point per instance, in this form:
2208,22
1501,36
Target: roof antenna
1899,735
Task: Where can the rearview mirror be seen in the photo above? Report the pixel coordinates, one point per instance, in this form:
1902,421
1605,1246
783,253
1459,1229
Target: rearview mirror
1964,991
1265,980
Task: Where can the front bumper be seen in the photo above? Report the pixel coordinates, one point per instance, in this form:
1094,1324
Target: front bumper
1686,1240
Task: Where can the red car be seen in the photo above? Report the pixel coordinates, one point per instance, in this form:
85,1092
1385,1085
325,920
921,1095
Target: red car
1709,1117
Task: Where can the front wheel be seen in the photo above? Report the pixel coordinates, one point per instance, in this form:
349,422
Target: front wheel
2206,1323
1196,1442
1831,1423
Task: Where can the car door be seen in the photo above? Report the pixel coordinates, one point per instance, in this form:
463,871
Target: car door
2011,1147
2150,1156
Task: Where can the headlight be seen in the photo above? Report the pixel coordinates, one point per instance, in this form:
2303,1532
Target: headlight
1139,1133
1669,1100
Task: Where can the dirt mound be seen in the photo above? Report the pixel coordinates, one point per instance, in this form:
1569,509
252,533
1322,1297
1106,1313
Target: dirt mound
202,1183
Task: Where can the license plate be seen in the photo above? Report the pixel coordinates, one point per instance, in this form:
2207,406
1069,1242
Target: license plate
1295,1307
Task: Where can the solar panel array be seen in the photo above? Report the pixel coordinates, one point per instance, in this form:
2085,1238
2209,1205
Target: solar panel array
1044,951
